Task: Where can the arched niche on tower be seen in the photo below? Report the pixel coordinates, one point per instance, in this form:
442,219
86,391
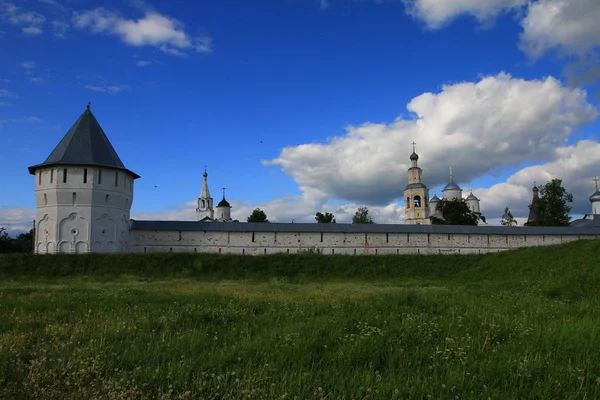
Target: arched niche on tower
72,230
45,235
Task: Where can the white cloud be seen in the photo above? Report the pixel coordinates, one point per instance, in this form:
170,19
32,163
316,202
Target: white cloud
16,220
31,21
154,29
143,63
478,127
437,13
568,25
108,89
7,93
575,165
28,64
32,31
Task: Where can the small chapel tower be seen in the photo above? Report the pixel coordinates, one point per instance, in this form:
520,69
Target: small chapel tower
205,202
416,194
83,194
224,209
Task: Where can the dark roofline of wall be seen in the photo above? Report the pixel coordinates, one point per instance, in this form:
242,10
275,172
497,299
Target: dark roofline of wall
355,228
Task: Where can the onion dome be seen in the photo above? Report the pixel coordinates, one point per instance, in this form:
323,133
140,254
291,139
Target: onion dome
414,156
472,197
224,203
595,197
434,199
451,186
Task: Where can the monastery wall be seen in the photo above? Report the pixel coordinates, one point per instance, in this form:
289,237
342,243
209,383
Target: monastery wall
265,242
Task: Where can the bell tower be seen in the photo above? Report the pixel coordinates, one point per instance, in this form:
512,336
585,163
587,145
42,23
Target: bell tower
205,202
416,194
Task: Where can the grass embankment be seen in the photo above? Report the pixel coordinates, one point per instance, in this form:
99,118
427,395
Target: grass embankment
513,325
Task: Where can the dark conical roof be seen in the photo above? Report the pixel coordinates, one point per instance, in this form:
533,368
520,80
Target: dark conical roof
84,144
223,203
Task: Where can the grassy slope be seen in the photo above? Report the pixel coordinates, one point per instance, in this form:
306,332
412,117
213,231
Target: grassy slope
520,324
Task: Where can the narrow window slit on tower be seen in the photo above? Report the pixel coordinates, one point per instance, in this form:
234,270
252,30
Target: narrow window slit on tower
40,178
321,236
116,178
387,237
52,175
252,237
45,199
64,175
74,198
100,177
85,175
106,199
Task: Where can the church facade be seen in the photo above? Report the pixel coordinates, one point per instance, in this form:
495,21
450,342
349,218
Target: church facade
84,194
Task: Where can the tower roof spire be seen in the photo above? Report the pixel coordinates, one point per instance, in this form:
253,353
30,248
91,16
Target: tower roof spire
205,193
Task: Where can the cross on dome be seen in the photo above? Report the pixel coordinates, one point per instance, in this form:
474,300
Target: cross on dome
596,179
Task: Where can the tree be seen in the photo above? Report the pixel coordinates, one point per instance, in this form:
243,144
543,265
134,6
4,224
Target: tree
551,206
5,241
507,218
258,215
326,218
454,212
362,216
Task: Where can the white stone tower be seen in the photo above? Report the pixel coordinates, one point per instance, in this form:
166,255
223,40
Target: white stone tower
452,191
223,210
205,202
83,194
473,203
416,194
595,198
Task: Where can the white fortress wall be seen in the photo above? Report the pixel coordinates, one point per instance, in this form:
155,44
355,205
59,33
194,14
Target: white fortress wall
250,239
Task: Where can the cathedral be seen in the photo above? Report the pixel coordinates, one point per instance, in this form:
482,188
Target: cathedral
419,208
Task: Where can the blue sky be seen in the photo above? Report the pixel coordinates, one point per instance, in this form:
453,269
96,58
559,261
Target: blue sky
298,106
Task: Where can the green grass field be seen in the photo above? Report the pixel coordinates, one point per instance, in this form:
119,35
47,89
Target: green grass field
514,325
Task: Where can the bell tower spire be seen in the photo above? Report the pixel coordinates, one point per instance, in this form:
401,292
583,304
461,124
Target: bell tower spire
205,202
416,206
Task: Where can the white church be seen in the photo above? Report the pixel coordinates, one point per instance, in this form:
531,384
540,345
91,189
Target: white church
84,194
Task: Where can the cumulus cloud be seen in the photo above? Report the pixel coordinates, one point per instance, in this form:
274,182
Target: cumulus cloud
437,13
154,29
108,89
571,26
477,127
575,165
